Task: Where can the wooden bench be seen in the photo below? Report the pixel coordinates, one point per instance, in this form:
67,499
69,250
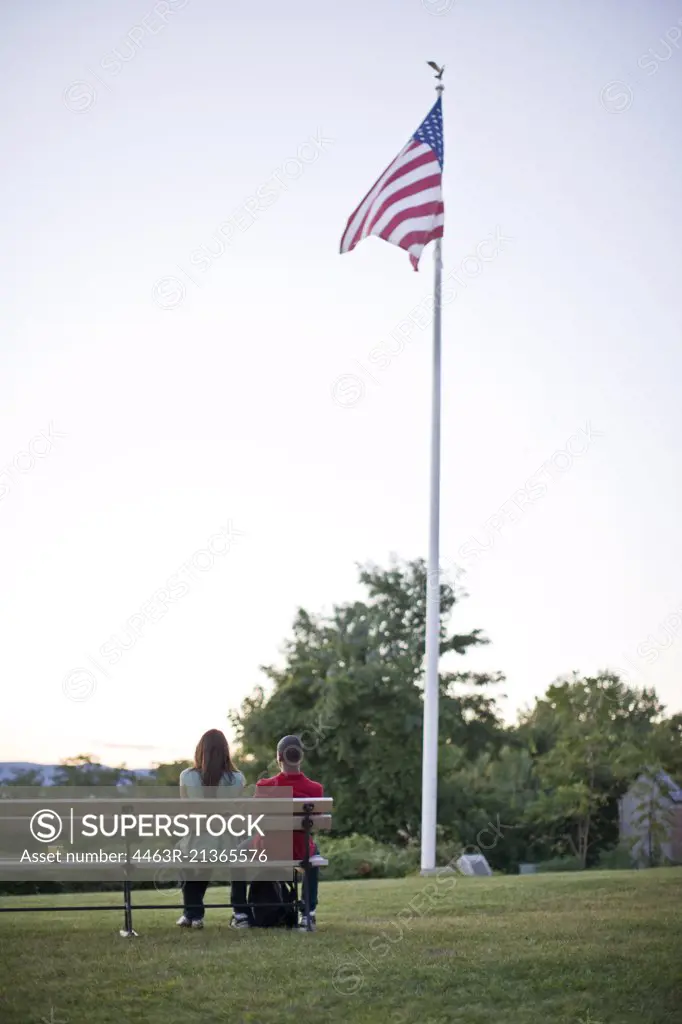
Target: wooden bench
279,814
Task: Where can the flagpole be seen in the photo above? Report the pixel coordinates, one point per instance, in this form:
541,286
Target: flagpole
431,688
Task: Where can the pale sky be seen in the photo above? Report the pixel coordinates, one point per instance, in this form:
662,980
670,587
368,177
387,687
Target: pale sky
188,390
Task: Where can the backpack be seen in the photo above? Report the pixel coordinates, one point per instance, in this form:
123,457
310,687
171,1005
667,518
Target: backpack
283,914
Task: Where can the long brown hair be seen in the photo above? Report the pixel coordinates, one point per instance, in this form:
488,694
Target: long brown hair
212,758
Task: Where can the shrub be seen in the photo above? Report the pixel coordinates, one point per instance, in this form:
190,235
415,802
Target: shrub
362,857
560,864
617,859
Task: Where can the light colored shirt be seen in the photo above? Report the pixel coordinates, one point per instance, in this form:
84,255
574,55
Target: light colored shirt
190,782
190,779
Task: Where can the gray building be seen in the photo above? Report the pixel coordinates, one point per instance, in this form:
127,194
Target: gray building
651,820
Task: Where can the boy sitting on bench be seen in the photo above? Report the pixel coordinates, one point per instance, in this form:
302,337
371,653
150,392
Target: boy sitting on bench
289,759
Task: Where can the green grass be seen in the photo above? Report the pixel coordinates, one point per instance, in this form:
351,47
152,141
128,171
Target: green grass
598,948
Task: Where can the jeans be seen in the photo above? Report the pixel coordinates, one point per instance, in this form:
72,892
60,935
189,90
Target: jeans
314,883
193,897
239,903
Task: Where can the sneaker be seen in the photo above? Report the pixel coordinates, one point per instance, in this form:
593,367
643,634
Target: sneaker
197,924
303,923
184,922
240,921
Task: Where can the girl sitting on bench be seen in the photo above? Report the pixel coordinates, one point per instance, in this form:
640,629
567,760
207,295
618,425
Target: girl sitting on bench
213,769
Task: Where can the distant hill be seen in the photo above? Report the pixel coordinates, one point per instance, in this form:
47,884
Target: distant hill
9,768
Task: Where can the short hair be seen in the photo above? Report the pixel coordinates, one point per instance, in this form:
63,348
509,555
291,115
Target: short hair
290,750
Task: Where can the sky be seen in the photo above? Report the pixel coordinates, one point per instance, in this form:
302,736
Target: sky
208,417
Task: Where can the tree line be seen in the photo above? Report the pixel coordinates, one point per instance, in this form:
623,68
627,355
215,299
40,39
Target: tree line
351,687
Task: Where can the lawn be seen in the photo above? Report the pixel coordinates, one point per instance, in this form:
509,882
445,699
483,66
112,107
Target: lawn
598,948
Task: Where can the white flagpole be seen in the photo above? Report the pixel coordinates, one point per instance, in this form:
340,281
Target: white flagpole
431,688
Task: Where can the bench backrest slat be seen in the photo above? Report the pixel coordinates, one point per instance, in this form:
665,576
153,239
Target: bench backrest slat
281,822
289,805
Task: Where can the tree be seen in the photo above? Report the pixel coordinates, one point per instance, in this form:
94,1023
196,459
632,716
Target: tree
485,801
351,689
25,777
667,746
167,774
596,731
83,770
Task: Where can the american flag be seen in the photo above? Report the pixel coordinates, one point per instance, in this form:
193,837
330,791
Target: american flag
405,206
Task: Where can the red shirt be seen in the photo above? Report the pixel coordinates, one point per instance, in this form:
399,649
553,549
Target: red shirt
301,786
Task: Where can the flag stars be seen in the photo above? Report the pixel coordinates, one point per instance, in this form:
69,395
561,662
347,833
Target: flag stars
430,130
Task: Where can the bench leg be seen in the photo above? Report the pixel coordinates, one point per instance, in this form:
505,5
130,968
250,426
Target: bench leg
306,896
298,902
127,931
307,823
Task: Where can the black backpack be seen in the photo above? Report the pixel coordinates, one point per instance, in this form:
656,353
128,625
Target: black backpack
283,914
